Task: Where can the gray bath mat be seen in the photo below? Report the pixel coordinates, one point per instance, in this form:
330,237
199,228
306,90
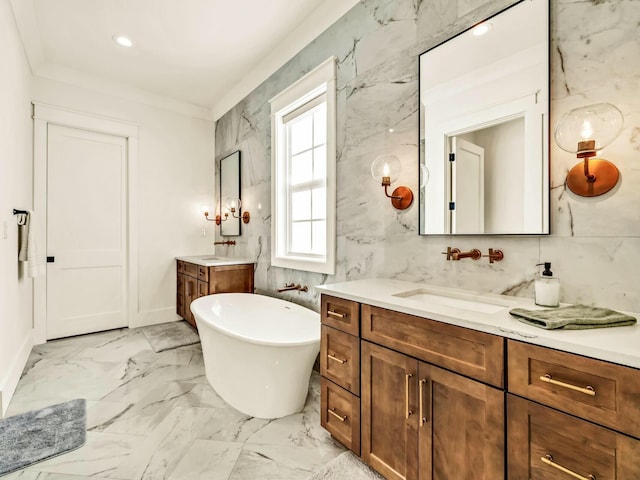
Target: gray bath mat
346,466
166,336
39,435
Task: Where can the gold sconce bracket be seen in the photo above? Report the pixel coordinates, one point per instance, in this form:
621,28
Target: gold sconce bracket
401,198
218,218
593,177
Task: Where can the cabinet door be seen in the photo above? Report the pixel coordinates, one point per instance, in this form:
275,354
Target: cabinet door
461,432
190,294
389,422
180,294
545,444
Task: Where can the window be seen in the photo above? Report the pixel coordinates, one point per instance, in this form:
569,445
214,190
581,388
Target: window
303,173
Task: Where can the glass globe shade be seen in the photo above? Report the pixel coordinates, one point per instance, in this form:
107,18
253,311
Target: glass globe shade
601,122
386,166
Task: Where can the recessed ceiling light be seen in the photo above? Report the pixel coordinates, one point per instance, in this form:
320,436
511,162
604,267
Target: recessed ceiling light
122,40
481,29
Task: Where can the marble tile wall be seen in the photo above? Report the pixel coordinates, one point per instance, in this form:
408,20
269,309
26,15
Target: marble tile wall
595,243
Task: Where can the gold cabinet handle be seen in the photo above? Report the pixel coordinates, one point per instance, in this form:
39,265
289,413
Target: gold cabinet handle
332,411
588,390
423,418
333,313
408,412
548,459
336,359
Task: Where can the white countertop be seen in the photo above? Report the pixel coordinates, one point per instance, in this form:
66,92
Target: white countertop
616,344
212,260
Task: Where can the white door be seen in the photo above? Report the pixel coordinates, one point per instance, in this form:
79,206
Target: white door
467,187
86,232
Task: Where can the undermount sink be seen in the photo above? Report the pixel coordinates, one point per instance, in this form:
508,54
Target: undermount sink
210,258
463,301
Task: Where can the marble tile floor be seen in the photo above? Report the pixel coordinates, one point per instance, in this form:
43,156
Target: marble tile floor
154,416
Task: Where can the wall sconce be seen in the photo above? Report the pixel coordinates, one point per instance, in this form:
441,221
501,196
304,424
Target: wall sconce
232,207
585,131
386,169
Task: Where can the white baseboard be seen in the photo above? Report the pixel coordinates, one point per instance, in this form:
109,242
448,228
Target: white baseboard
10,382
154,317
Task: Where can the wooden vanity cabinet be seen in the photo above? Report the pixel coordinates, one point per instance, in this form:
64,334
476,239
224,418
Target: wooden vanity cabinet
434,404
195,281
418,421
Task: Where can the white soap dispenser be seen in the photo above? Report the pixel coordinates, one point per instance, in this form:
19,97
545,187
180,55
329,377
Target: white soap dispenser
547,287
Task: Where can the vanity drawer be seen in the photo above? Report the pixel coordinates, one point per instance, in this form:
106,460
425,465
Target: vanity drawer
544,444
203,273
599,391
471,353
340,358
341,314
191,269
180,266
340,414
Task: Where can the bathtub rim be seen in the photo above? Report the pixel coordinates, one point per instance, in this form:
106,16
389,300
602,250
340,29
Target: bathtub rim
201,319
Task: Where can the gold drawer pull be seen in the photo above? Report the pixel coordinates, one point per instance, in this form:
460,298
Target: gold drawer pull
423,418
588,390
336,359
408,413
333,313
332,411
548,459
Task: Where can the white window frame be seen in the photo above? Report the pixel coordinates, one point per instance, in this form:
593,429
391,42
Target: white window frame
321,80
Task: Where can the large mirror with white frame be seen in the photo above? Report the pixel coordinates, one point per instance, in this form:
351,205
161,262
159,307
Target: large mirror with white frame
484,127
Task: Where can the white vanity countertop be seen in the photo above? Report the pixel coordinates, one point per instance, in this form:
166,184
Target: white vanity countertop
212,260
616,344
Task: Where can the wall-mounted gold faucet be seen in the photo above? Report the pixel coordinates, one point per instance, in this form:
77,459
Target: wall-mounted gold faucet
291,286
456,254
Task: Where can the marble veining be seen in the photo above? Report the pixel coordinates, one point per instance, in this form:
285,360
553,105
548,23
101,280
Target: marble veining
154,416
594,52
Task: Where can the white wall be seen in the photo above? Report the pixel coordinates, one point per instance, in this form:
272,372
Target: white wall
15,192
175,178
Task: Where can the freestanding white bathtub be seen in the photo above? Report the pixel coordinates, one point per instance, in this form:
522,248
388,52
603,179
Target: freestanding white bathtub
258,351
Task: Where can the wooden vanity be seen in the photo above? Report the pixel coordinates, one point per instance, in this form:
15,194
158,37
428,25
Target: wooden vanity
195,280
418,398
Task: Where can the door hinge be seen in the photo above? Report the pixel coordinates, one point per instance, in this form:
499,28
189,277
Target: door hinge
452,205
51,259
452,157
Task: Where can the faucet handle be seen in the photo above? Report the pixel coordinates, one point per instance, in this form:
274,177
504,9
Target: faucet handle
451,253
494,255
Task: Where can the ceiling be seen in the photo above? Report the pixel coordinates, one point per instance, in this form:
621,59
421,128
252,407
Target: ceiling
195,51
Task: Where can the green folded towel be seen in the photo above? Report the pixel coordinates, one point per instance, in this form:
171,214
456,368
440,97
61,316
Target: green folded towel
574,317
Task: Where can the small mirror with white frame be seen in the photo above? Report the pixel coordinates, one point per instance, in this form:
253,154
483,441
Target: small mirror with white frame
230,195
484,127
